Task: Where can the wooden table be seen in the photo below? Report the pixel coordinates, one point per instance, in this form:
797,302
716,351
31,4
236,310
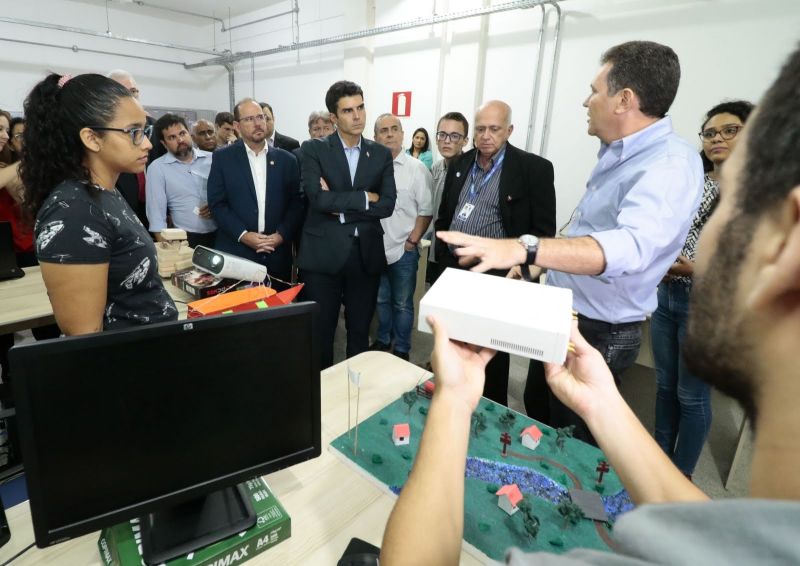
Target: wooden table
24,303
328,501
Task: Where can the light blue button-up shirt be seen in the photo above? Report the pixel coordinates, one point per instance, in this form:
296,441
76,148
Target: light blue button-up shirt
639,203
353,154
180,189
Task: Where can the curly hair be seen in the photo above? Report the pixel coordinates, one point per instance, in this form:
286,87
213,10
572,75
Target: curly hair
739,108
55,115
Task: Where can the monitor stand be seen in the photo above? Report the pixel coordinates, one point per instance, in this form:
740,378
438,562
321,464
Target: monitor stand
181,529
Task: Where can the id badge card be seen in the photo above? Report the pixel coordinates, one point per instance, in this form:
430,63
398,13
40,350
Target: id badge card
466,211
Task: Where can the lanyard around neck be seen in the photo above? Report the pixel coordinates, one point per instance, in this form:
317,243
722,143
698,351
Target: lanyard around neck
473,190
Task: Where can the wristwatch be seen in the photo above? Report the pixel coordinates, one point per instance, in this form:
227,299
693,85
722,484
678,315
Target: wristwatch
531,245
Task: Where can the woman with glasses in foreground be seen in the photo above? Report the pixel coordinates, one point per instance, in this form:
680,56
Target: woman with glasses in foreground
683,401
98,261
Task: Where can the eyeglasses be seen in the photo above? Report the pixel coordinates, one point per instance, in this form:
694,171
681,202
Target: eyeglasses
253,119
454,137
136,134
18,136
726,132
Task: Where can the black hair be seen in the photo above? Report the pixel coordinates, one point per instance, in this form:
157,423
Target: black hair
267,106
771,169
167,121
223,118
649,69
739,108
54,117
458,117
15,121
427,145
339,90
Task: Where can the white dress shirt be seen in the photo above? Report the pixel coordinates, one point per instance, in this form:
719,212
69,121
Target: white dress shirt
258,169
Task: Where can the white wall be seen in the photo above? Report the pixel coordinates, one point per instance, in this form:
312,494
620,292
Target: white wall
728,48
22,66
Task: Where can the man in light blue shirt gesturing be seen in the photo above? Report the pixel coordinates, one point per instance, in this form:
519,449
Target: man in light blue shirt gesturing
629,226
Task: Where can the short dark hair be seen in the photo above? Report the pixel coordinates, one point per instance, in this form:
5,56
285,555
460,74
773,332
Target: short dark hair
268,107
772,169
167,121
223,118
56,111
649,69
739,108
339,90
458,117
14,121
427,145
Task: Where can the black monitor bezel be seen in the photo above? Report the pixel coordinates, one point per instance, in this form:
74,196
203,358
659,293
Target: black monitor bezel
47,535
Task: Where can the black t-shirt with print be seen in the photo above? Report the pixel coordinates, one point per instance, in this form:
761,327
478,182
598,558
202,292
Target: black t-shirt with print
80,224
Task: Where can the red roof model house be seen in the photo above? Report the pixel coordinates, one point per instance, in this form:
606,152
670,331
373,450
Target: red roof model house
508,497
531,437
401,434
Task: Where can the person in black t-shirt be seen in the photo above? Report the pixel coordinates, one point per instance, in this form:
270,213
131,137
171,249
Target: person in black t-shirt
98,261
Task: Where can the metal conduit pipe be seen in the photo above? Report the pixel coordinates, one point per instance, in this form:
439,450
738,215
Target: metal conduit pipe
420,22
272,17
76,49
552,86
105,35
537,78
185,12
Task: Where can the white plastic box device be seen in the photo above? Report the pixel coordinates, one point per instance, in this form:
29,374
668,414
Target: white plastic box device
509,315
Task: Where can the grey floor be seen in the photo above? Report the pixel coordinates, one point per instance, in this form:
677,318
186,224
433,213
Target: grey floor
638,388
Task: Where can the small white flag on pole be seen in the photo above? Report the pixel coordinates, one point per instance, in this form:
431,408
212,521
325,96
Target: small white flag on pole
355,376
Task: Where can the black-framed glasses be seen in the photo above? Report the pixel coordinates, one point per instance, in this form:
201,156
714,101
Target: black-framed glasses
727,132
136,134
454,137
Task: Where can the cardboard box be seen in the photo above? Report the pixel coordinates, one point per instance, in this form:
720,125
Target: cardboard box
119,545
202,285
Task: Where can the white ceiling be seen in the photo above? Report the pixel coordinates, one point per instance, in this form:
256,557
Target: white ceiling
217,8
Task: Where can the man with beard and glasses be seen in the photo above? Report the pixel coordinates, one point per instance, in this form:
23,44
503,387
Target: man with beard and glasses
254,193
176,184
744,323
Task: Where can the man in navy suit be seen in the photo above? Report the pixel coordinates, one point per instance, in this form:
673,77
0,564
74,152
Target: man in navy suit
254,196
349,183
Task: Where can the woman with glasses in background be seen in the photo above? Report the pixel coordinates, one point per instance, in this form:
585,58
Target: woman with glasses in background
683,402
421,147
98,262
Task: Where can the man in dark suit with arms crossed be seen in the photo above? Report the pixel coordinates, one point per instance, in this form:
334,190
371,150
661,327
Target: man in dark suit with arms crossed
349,183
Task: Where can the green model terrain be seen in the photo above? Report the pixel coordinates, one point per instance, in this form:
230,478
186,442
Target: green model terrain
543,475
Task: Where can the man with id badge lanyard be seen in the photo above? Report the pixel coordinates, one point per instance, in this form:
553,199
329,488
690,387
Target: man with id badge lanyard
496,191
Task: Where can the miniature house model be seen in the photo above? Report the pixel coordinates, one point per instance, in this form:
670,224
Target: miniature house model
401,434
531,437
508,497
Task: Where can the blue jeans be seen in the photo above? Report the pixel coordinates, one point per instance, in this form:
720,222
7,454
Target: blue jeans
396,301
683,401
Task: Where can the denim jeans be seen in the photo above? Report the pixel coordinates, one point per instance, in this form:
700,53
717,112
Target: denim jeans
618,343
683,401
396,301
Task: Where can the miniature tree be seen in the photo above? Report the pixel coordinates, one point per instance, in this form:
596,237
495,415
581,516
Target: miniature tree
529,520
478,423
571,512
507,420
505,438
409,398
602,468
562,434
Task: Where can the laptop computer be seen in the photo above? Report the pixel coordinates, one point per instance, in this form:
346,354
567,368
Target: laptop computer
8,258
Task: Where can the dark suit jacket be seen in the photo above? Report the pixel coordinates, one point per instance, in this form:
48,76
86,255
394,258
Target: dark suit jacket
285,142
326,242
527,197
232,199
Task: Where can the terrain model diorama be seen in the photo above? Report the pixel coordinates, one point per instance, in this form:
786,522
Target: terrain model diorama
526,484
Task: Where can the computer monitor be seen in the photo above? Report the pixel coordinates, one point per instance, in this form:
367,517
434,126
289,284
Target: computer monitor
152,422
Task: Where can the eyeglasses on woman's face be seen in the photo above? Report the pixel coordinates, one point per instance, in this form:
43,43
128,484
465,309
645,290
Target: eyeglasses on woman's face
726,132
136,134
